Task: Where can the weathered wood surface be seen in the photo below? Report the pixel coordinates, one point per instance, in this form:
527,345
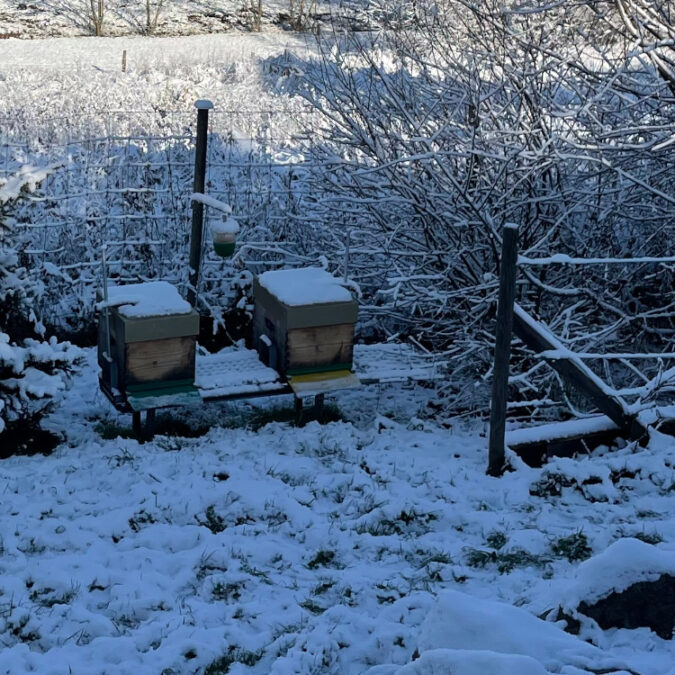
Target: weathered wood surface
504,331
562,439
234,373
540,339
160,360
197,207
319,346
567,439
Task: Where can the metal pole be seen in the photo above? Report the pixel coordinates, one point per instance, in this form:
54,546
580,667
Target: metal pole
348,242
500,376
203,108
112,367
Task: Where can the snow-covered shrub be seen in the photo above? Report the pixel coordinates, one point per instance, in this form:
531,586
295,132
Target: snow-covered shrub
436,137
32,368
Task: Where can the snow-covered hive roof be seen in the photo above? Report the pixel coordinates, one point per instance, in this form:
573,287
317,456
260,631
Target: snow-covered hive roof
151,298
304,286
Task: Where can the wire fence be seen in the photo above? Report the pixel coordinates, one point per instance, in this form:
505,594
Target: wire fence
124,179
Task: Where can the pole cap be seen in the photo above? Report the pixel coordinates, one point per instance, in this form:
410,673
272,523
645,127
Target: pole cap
203,104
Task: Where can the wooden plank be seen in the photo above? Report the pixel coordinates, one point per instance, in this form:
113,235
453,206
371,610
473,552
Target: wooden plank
534,453
319,356
300,338
319,346
540,339
504,330
320,383
156,360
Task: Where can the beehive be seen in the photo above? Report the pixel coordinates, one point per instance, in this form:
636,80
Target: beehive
152,340
303,321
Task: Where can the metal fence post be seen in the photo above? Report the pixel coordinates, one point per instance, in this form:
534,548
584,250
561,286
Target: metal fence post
203,108
500,375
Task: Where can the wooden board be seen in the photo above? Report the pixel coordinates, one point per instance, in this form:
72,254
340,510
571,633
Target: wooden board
160,360
538,338
319,346
321,383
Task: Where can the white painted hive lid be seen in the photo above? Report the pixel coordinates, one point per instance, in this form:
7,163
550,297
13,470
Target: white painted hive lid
304,286
151,298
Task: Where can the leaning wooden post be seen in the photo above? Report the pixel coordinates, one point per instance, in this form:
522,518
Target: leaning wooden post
203,108
500,375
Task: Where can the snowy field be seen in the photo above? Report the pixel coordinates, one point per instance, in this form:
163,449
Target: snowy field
63,18
324,549
374,545
63,86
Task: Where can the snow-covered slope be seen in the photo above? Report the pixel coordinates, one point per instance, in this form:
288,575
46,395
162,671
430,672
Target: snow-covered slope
324,549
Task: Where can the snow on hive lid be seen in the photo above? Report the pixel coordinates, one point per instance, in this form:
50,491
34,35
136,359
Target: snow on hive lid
152,298
304,286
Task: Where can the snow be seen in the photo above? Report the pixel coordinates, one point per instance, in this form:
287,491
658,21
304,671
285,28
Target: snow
338,549
624,563
304,286
211,202
557,430
469,662
395,362
178,17
228,226
152,298
459,621
27,178
564,259
559,348
233,372
36,383
237,371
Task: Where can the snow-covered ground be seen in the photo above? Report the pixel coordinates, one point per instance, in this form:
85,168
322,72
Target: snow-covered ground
324,549
63,18
55,90
347,548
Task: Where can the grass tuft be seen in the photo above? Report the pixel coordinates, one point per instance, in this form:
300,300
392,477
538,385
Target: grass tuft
234,654
652,538
322,558
227,592
574,547
166,425
410,523
286,414
212,520
496,540
46,597
506,561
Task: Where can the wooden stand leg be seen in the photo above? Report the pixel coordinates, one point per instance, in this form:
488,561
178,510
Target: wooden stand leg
136,426
150,424
318,403
298,411
500,373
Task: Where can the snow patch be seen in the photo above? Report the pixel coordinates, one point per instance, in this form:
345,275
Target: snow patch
304,286
624,563
152,298
459,621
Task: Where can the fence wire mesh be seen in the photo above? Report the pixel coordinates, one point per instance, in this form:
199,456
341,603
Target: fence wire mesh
124,178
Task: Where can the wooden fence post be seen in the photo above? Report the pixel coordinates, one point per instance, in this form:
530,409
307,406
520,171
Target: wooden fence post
500,375
203,108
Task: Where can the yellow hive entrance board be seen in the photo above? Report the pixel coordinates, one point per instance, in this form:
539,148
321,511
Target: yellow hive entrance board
312,384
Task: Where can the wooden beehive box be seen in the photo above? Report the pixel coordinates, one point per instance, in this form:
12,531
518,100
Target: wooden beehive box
152,340
303,321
